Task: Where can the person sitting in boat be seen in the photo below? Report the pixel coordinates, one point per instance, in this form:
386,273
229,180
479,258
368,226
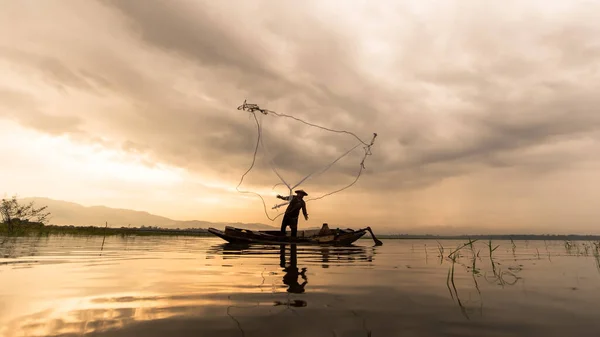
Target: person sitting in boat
290,218
325,230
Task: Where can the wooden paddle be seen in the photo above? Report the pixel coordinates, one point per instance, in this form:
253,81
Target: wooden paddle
377,242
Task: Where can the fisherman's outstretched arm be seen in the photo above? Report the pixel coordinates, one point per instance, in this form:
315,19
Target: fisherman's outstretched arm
287,197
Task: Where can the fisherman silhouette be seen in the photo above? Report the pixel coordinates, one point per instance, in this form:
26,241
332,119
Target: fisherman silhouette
292,212
292,272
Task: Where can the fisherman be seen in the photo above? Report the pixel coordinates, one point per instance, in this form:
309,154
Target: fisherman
292,212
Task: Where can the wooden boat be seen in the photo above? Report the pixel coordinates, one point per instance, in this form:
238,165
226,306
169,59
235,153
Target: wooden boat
305,237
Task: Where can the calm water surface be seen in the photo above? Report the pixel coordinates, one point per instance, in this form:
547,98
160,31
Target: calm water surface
174,286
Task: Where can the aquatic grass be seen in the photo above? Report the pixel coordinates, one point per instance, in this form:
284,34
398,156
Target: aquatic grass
440,248
547,251
499,275
514,249
568,246
596,253
103,238
500,278
450,281
489,243
441,251
586,248
475,272
472,268
457,250
470,243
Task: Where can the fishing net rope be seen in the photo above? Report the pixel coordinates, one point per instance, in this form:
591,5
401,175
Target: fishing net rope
253,109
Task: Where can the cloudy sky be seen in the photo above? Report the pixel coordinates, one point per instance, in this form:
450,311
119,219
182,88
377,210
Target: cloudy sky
486,112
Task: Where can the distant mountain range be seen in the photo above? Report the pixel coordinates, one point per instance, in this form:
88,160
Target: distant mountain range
69,213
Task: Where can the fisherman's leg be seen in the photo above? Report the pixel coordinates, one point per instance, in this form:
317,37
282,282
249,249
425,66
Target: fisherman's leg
287,221
294,230
284,224
294,226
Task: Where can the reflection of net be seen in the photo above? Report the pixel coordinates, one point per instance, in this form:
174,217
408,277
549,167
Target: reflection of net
253,108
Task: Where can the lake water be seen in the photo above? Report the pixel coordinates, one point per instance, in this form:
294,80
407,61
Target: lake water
190,286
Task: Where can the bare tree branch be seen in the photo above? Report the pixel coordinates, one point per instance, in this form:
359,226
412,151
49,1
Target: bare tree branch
13,213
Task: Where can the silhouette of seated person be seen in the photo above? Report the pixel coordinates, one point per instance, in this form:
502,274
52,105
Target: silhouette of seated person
292,272
325,230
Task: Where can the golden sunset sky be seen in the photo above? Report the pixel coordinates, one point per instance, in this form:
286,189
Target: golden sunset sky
487,111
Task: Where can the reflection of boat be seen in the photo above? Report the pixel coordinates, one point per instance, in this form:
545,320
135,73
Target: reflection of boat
307,237
326,256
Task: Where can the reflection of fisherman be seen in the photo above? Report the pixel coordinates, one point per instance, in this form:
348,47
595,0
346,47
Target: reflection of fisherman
291,272
293,211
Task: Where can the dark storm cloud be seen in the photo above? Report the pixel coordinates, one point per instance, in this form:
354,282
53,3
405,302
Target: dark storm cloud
215,44
213,40
436,114
194,33
202,37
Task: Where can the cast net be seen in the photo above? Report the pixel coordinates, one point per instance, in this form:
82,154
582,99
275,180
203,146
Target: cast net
299,154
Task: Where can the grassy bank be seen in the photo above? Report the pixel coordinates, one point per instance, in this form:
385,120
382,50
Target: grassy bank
98,230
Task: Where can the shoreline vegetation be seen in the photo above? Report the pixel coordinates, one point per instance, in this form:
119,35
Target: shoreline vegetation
32,229
38,229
